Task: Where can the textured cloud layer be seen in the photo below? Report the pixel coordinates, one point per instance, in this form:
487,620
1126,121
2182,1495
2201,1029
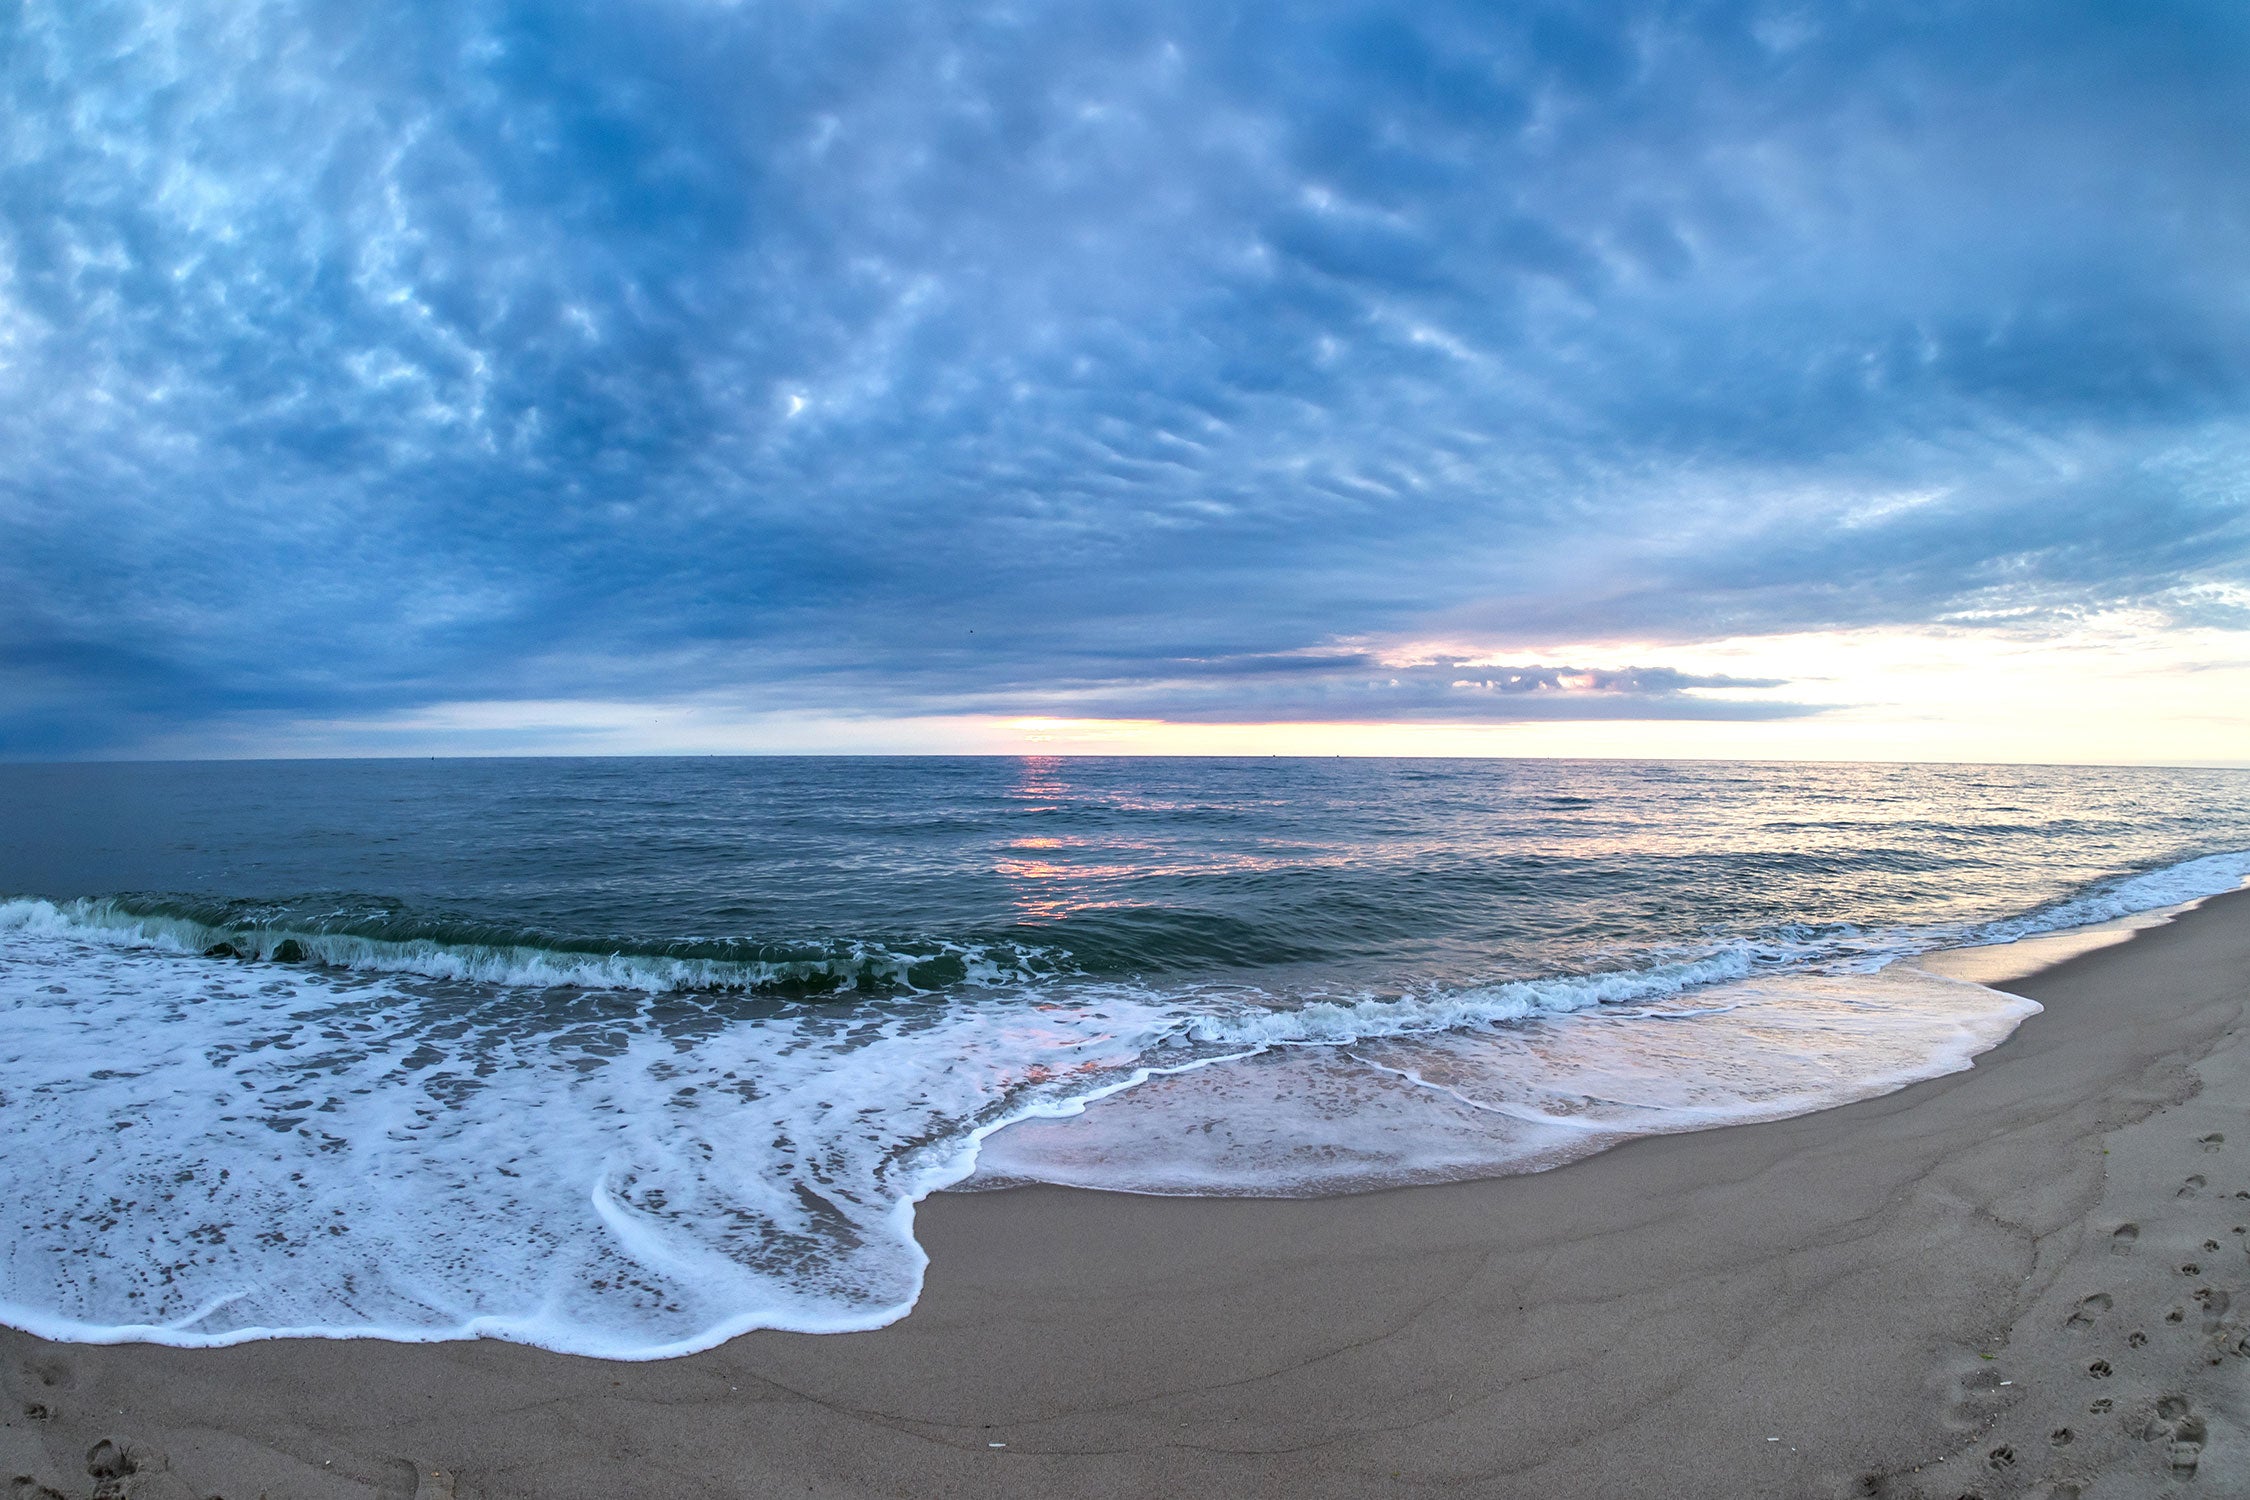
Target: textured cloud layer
931,358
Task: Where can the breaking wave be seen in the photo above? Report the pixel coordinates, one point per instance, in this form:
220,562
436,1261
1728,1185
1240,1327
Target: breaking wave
430,1133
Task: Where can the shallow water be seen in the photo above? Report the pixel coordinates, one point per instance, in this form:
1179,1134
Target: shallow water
623,1057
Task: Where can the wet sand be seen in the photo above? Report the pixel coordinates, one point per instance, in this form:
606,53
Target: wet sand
2032,1278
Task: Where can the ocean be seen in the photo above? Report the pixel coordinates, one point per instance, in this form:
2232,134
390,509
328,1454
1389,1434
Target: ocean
625,1057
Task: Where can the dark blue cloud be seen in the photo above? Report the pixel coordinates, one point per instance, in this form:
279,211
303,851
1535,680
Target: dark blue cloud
903,358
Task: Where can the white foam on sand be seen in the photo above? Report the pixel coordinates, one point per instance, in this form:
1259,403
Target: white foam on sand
1303,1121
198,1151
1479,1101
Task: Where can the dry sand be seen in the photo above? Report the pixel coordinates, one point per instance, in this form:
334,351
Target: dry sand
2026,1279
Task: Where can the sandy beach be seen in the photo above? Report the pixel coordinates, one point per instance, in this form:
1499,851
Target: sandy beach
2031,1278
1092,750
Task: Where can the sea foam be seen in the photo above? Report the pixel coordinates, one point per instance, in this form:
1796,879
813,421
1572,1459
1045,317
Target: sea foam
1482,1101
203,1151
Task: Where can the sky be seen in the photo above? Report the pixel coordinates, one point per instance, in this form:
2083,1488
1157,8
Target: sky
1763,380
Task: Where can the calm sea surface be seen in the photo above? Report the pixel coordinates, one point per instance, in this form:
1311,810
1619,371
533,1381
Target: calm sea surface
625,1056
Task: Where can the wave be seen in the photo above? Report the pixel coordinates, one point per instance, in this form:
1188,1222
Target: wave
2129,895
314,1151
1488,1101
1340,1022
1229,1016
463,953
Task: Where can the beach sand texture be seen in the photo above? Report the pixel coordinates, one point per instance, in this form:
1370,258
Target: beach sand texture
2029,1279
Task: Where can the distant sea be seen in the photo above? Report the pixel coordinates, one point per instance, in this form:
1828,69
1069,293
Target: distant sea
624,1057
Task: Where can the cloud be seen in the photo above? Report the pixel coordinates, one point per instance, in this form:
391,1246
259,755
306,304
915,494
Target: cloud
913,358
1359,688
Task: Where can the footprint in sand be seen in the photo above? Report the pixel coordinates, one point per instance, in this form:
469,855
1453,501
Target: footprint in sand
418,1481
53,1374
2061,1437
2135,1339
24,1487
2174,1423
1977,1399
2121,1239
110,1461
2212,1142
2176,1315
2002,1457
2100,1369
2192,1186
2101,1406
2087,1310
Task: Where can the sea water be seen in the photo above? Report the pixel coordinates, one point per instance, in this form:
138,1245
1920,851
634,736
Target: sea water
624,1057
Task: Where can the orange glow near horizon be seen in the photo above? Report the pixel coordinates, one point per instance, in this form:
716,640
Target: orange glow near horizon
2116,692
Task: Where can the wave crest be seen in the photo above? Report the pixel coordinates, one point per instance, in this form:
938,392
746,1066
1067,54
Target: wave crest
433,951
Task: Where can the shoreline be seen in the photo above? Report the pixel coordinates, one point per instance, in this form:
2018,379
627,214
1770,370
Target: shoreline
1824,1304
